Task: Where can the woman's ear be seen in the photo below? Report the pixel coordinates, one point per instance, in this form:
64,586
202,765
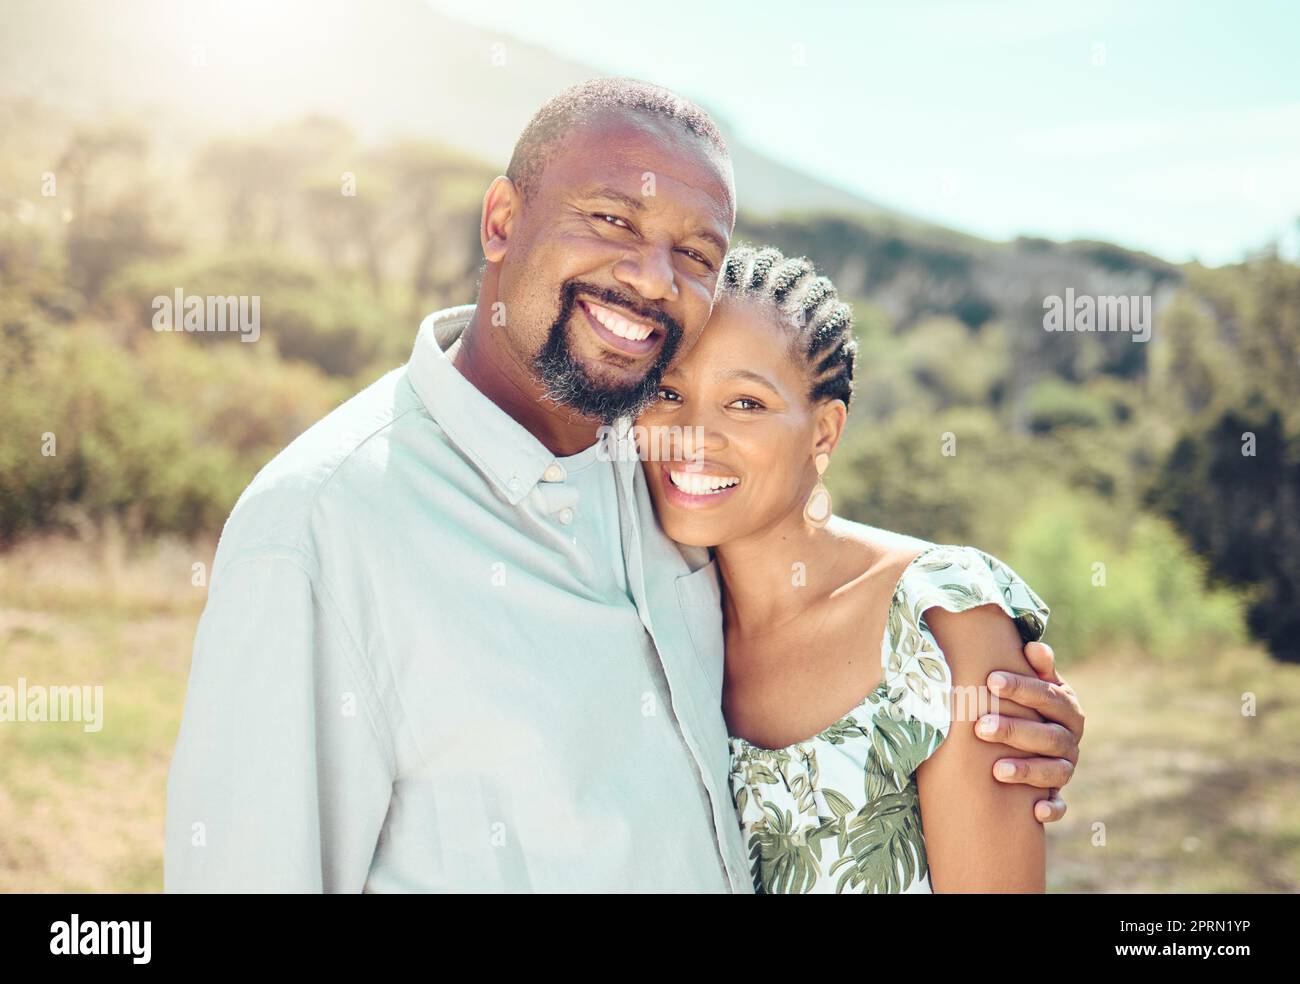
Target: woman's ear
831,417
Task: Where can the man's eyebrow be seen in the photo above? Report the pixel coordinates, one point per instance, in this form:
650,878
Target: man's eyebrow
614,195
714,238
610,193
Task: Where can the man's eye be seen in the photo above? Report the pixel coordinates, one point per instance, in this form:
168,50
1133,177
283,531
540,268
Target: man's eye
613,220
699,258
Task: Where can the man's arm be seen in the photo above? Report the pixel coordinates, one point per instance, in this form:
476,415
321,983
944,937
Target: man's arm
980,835
1053,744
282,773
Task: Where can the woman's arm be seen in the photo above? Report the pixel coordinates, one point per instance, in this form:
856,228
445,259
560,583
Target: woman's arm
980,834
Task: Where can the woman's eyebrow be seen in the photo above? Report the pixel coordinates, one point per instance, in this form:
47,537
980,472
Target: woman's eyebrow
753,377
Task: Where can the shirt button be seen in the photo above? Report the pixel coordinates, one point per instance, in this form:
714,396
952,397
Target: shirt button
566,515
514,484
553,473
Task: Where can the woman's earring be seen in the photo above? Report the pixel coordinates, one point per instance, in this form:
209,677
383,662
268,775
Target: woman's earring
817,511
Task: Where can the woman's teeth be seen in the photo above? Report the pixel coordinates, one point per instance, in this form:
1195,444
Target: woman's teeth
619,325
693,484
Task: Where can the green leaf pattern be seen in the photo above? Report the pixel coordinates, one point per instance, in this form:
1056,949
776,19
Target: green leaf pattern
839,812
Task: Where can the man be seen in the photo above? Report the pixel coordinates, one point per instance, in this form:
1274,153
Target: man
446,647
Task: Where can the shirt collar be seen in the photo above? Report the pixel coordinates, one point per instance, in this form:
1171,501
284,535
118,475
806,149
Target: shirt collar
507,454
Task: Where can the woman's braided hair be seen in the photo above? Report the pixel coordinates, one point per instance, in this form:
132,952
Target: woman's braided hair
809,307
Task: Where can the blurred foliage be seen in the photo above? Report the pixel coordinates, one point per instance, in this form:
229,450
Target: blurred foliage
161,436
1131,588
336,324
1057,451
1232,483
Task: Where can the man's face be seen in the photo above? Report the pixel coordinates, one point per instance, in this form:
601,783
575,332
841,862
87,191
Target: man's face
629,208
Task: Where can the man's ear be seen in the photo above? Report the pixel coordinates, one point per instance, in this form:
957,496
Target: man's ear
831,417
502,205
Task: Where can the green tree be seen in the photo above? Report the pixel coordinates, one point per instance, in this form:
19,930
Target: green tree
1233,486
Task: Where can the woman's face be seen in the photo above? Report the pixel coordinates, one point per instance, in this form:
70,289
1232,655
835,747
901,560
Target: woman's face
728,447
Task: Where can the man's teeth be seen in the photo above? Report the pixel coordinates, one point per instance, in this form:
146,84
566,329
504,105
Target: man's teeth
619,325
702,484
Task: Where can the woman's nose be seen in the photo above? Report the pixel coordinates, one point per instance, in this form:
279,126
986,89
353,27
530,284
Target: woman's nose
700,437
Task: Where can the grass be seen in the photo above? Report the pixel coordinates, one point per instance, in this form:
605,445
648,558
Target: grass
79,811
1177,790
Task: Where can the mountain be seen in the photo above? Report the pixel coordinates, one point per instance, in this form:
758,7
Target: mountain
398,68
391,68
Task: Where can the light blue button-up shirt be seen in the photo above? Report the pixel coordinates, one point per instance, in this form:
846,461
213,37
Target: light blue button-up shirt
437,657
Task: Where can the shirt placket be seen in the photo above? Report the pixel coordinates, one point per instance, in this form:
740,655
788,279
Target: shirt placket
630,530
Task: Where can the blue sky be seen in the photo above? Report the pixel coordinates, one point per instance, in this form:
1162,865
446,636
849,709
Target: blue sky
1169,127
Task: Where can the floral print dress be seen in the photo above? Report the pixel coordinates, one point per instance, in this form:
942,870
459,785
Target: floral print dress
839,812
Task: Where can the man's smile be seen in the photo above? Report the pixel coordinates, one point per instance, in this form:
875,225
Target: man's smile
621,331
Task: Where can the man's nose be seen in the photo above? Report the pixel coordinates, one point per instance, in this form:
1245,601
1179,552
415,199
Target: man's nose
648,269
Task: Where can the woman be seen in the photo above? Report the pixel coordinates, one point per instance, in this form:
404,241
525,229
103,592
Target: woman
854,767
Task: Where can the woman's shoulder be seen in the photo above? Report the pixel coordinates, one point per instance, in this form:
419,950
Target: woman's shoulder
958,577
916,675
881,540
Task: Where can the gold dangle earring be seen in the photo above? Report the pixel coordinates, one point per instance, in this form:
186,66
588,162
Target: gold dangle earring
817,511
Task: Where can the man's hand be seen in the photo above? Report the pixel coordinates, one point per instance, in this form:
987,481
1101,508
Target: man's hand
1056,739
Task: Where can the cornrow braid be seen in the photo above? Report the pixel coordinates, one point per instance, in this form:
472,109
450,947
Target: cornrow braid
809,306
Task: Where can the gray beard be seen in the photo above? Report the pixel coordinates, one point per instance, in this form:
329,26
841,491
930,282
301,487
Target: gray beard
570,385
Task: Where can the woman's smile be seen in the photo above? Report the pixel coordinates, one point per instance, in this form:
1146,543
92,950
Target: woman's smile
696,489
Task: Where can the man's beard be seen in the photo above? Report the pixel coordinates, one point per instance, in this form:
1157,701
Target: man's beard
568,382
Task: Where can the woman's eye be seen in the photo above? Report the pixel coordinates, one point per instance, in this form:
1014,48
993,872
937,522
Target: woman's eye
667,394
754,404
